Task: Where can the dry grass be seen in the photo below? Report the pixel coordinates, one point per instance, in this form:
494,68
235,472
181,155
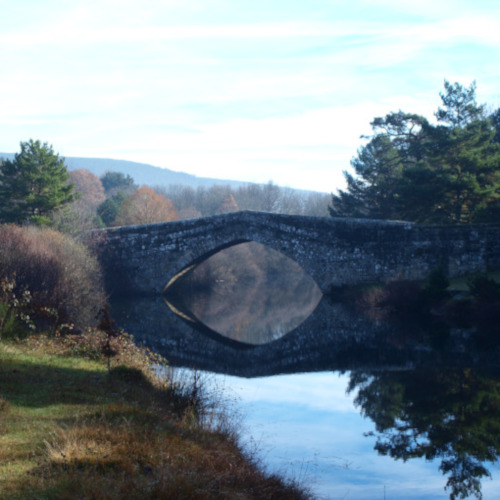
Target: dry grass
68,429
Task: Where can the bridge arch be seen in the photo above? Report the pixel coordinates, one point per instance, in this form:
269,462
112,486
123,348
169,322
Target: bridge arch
201,258
226,232
143,259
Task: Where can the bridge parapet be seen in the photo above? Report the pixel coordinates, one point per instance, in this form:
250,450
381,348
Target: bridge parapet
334,251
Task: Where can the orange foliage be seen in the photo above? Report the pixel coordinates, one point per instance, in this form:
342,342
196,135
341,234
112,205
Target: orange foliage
89,186
59,272
146,206
228,204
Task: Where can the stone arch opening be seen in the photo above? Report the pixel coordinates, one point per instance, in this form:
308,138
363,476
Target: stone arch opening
203,257
247,292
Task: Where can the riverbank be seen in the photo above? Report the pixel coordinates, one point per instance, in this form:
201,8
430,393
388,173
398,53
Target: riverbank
471,302
71,429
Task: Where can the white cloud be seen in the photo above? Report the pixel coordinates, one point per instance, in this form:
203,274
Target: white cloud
281,94
325,390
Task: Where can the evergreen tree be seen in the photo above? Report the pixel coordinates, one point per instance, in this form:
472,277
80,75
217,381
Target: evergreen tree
374,191
33,184
109,208
114,182
460,107
414,170
495,122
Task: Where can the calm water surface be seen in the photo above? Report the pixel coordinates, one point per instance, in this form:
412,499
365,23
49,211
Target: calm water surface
353,408
308,428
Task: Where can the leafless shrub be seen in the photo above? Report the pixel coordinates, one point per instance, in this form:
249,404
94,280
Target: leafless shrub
60,273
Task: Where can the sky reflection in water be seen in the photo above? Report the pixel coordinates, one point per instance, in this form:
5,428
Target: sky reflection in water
307,427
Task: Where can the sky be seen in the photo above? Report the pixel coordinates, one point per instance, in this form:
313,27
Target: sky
247,90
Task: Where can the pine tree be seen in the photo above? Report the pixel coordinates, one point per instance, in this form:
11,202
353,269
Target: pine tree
414,170
33,184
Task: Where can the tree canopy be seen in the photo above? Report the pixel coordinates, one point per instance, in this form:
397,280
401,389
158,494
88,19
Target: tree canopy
442,172
114,182
146,206
89,186
81,215
33,184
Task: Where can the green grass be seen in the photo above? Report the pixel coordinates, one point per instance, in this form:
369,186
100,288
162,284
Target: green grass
68,429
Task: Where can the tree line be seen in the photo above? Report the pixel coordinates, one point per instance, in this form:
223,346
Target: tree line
36,187
446,171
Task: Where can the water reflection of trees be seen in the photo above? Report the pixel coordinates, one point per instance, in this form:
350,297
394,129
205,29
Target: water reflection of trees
452,415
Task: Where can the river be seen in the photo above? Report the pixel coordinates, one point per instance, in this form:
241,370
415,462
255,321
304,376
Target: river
351,406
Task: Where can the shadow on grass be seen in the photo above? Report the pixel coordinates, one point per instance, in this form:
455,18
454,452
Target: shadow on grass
114,436
38,385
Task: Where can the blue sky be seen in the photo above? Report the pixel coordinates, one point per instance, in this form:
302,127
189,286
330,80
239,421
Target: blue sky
250,90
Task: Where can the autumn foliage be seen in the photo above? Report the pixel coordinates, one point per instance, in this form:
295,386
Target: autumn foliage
89,186
146,206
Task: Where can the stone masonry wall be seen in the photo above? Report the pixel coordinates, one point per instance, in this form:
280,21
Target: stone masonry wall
334,251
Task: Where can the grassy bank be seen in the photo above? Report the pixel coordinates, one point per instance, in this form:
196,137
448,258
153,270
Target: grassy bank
69,429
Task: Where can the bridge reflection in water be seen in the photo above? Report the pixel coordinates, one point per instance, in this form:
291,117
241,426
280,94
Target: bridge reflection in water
333,337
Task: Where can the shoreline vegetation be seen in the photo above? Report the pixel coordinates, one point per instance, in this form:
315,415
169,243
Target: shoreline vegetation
85,412
470,304
69,428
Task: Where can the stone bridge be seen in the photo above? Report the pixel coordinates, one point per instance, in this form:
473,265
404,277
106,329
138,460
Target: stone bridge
142,260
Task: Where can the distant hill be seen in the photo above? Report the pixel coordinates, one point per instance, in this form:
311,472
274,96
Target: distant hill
142,173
